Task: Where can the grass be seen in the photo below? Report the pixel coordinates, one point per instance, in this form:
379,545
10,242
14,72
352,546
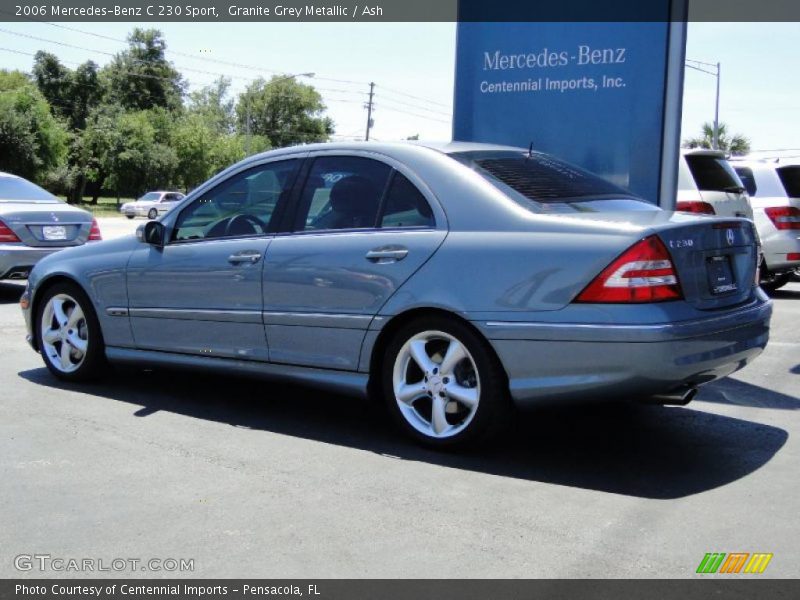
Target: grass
106,206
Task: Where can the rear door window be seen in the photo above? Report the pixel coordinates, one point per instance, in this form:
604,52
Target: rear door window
405,206
790,178
713,174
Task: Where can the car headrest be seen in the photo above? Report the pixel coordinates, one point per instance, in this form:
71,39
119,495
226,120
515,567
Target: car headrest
354,194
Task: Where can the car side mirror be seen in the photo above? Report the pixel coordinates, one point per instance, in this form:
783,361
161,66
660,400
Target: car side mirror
153,233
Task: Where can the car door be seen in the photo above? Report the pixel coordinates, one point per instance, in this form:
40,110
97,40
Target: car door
168,202
201,293
358,230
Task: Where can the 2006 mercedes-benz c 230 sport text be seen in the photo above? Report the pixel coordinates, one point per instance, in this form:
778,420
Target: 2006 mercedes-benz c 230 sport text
453,282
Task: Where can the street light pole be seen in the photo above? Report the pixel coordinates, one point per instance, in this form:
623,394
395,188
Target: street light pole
694,64
247,107
716,113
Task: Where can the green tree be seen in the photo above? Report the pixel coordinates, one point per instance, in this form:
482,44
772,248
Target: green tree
32,140
214,106
736,144
284,111
141,77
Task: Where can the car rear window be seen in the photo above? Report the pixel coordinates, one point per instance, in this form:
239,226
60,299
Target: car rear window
790,178
15,189
713,174
546,181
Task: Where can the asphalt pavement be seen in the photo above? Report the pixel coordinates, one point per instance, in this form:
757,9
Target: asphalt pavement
252,479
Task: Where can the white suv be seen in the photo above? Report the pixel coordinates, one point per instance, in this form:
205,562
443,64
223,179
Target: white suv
707,184
774,190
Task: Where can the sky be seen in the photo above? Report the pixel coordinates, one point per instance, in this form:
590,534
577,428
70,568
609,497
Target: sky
412,65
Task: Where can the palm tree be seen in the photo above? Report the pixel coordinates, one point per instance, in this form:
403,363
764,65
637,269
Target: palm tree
736,145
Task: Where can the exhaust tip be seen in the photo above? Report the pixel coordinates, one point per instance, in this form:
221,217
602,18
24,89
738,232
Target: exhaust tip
680,397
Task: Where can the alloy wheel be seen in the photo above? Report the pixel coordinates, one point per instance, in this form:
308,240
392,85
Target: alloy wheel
64,333
436,384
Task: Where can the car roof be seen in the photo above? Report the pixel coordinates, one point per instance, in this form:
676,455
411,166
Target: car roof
703,152
388,147
9,175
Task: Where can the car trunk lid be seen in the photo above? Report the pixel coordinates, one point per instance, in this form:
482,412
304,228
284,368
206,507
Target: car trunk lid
46,224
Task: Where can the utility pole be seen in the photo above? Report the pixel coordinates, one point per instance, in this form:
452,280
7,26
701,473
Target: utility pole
716,113
369,109
698,65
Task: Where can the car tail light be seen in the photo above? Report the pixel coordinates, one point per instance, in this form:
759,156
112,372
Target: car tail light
695,206
643,273
793,256
94,232
784,217
6,234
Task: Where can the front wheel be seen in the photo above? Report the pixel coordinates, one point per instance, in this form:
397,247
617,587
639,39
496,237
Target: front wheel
443,384
69,334
152,214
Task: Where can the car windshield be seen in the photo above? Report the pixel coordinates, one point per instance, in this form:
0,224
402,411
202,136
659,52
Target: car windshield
149,196
542,183
15,189
790,178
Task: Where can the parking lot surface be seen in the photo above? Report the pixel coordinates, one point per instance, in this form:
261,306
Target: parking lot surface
254,479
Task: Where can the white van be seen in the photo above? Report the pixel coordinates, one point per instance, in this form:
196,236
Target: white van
774,190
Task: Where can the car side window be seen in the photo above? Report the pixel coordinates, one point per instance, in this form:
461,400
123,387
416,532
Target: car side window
171,198
242,205
748,179
342,192
405,206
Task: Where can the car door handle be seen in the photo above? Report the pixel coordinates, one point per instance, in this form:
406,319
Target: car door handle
245,256
386,254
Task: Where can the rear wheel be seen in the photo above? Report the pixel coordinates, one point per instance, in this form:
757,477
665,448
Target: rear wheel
152,214
443,385
772,281
69,334
130,216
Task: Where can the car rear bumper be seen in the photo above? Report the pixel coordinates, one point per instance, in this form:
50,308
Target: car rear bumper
556,362
777,246
19,259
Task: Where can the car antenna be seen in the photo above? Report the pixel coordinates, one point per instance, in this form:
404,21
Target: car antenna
530,150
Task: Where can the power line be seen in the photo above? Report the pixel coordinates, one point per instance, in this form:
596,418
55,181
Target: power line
408,112
178,67
428,100
185,54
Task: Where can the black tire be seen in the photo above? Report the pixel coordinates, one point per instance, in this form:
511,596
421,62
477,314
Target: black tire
130,216
494,407
796,274
152,214
93,363
773,282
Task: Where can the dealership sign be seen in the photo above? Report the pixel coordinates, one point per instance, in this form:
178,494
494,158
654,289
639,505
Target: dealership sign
605,96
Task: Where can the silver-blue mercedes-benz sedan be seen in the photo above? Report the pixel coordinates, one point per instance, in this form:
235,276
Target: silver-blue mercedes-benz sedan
453,282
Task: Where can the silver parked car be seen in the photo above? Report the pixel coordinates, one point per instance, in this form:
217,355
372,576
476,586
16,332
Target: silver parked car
34,223
774,190
151,205
454,282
